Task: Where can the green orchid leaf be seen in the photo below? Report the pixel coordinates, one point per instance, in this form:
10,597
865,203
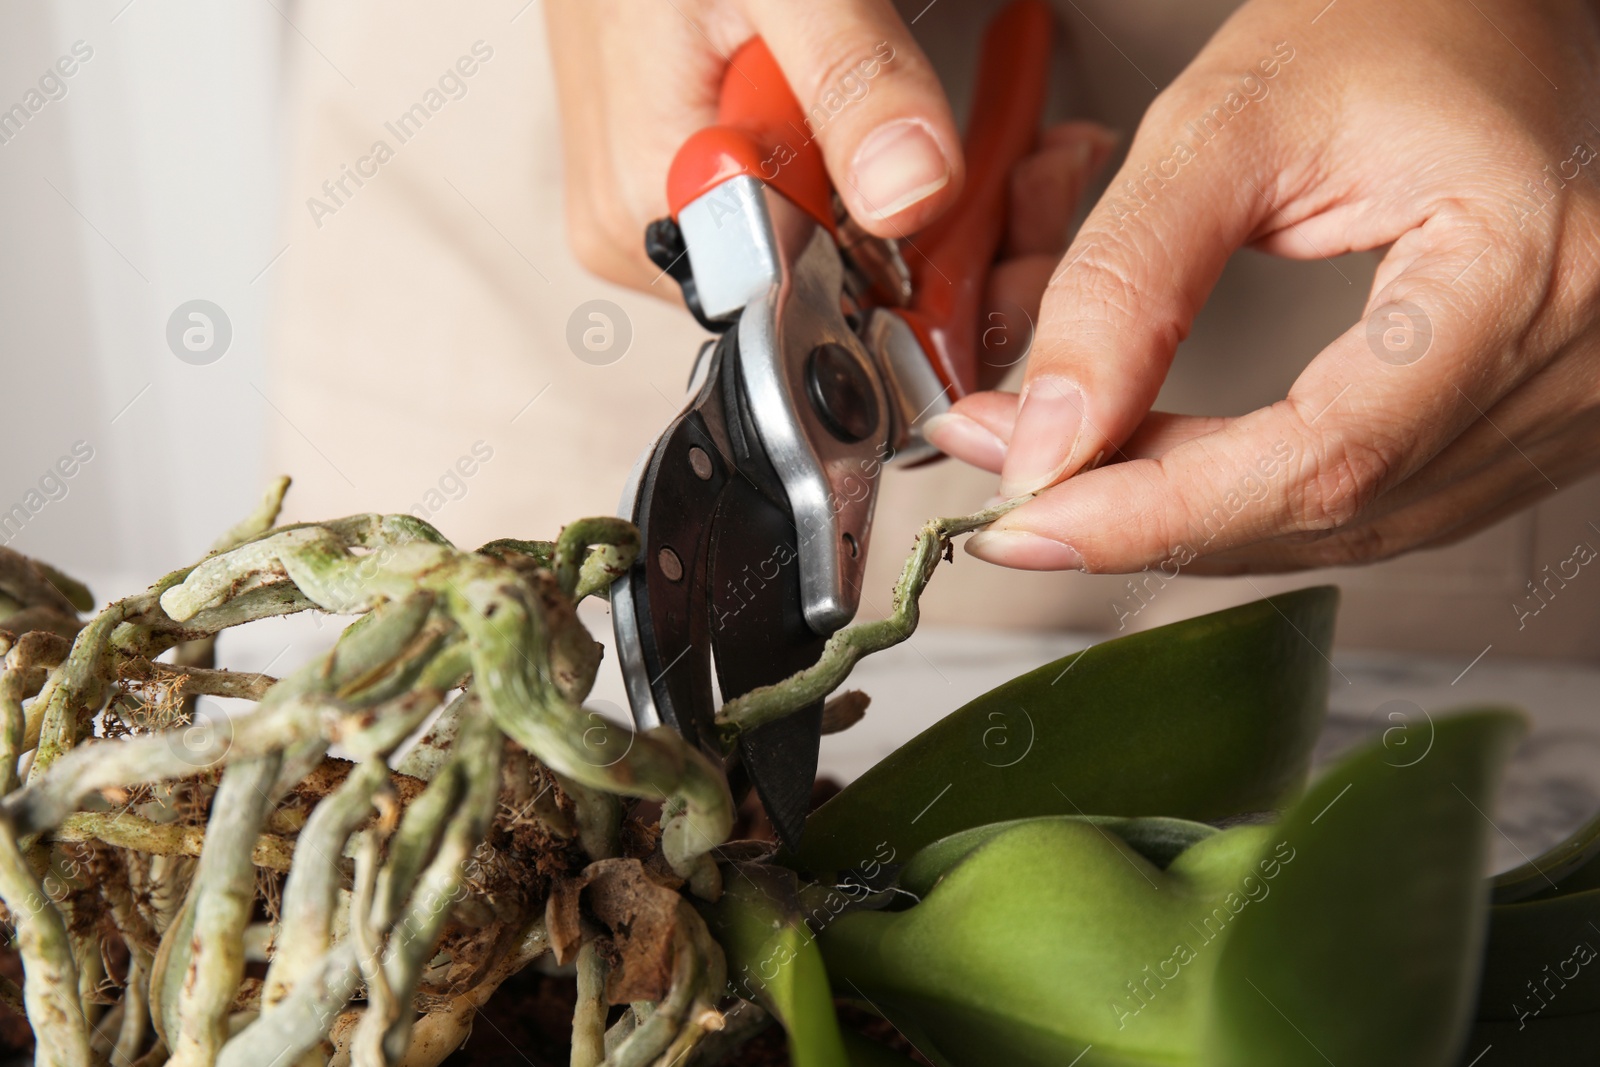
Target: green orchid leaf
1202,719
1539,1000
1033,946
864,1053
1568,867
1158,840
1549,1041
773,960
1369,947
1054,940
1542,961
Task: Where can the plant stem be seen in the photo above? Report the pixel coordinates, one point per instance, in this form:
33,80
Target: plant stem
51,987
847,646
593,553
125,830
222,896
311,893
589,1016
258,521
439,886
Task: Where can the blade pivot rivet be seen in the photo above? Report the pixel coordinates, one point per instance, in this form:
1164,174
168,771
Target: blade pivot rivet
671,565
841,393
700,463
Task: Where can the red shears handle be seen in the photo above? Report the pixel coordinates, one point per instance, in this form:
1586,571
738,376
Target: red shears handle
761,131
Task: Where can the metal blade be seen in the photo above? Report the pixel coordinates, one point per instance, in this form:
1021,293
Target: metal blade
660,611
759,635
659,608
718,573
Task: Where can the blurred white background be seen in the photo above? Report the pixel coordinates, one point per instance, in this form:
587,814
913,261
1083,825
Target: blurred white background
151,182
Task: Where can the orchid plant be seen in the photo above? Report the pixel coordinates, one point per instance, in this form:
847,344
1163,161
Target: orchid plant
1114,859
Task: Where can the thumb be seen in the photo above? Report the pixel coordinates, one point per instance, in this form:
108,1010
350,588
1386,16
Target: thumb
1130,286
873,104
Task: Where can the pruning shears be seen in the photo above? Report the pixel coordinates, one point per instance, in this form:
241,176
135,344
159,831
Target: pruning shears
832,349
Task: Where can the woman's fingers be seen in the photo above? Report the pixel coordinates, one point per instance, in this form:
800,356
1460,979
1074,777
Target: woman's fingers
1505,461
633,82
1010,314
1359,421
1130,286
1444,518
873,103
978,429
1046,188
636,80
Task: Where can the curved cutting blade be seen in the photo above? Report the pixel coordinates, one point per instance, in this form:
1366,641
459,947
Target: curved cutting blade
718,574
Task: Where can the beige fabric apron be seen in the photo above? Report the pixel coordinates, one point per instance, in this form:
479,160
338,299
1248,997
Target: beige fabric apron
421,362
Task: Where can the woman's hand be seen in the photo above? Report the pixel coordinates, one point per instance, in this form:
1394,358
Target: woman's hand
636,79
1462,138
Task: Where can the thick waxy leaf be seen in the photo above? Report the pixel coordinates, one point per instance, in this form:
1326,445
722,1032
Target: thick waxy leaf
1158,840
864,1053
1548,1041
1368,949
1201,720
1539,1001
1568,867
1036,947
1350,930
1543,960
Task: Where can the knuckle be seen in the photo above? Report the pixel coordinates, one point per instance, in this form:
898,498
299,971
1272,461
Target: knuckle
595,242
1345,478
1103,273
1203,94
1212,114
1101,288
588,247
857,59
1171,107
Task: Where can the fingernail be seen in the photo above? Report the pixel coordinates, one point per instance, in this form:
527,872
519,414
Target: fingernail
896,166
965,439
1048,425
1024,550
